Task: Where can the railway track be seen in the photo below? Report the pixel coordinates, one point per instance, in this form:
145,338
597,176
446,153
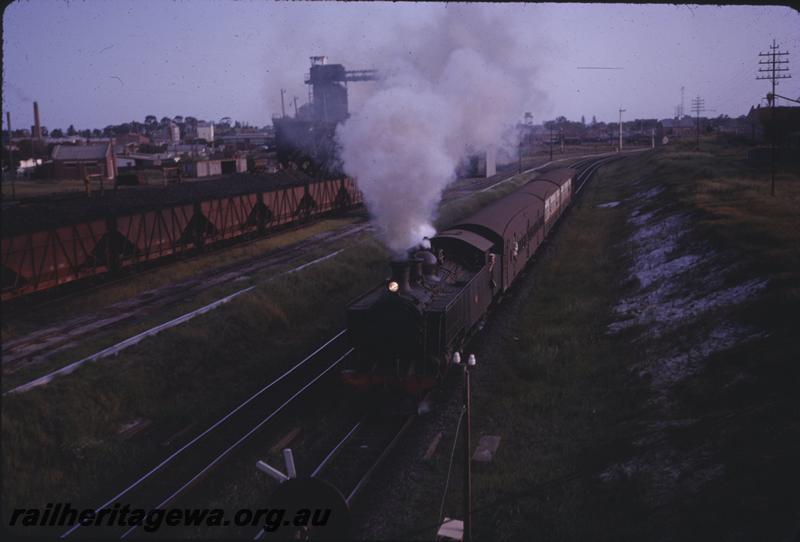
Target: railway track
350,464
347,466
58,338
48,341
587,168
354,459
185,467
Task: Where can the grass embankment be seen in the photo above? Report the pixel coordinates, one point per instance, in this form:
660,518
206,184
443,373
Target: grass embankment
545,382
588,439
61,442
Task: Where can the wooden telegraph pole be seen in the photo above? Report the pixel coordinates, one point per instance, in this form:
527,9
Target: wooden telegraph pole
773,71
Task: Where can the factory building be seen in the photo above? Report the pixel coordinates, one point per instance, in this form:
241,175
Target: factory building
205,131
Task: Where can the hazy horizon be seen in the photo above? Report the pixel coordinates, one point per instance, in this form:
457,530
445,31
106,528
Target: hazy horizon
97,63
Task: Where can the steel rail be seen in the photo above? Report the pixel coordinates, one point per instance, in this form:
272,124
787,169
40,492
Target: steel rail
115,349
243,438
216,424
379,460
362,480
336,449
537,168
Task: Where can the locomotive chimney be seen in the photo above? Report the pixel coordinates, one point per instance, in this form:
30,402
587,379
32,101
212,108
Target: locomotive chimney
37,127
400,274
416,270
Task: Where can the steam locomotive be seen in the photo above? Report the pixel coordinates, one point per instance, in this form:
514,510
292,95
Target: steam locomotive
406,331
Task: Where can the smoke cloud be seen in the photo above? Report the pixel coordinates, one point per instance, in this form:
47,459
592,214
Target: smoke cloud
455,85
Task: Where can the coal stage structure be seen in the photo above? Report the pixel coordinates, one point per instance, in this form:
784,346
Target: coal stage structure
307,140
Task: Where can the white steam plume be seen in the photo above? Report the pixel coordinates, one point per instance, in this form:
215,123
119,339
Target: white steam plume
465,90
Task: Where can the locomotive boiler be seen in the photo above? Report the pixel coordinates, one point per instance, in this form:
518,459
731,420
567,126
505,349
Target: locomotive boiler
406,331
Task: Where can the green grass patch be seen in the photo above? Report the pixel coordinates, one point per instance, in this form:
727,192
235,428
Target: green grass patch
561,393
60,441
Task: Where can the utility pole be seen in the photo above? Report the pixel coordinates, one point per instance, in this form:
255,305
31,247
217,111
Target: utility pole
773,71
621,111
283,107
680,115
470,363
698,106
551,142
295,107
11,170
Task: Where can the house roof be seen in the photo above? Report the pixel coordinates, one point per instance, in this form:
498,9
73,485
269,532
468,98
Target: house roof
80,152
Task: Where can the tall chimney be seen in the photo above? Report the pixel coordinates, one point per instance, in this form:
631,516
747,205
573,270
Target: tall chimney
37,127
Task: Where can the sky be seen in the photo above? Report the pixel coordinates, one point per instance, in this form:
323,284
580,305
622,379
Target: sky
95,63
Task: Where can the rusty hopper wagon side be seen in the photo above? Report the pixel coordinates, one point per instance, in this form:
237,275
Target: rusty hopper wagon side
101,240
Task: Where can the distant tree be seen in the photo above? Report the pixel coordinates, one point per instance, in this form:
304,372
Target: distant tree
45,131
190,120
57,132
122,129
71,131
97,133
165,121
583,120
594,120
178,119
85,133
150,120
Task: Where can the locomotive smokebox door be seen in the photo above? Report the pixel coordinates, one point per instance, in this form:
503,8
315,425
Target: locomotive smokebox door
312,509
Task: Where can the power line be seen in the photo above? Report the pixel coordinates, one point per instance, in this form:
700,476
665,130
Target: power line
772,68
680,116
698,106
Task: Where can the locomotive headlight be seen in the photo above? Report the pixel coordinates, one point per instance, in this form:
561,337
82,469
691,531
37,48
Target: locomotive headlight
393,287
